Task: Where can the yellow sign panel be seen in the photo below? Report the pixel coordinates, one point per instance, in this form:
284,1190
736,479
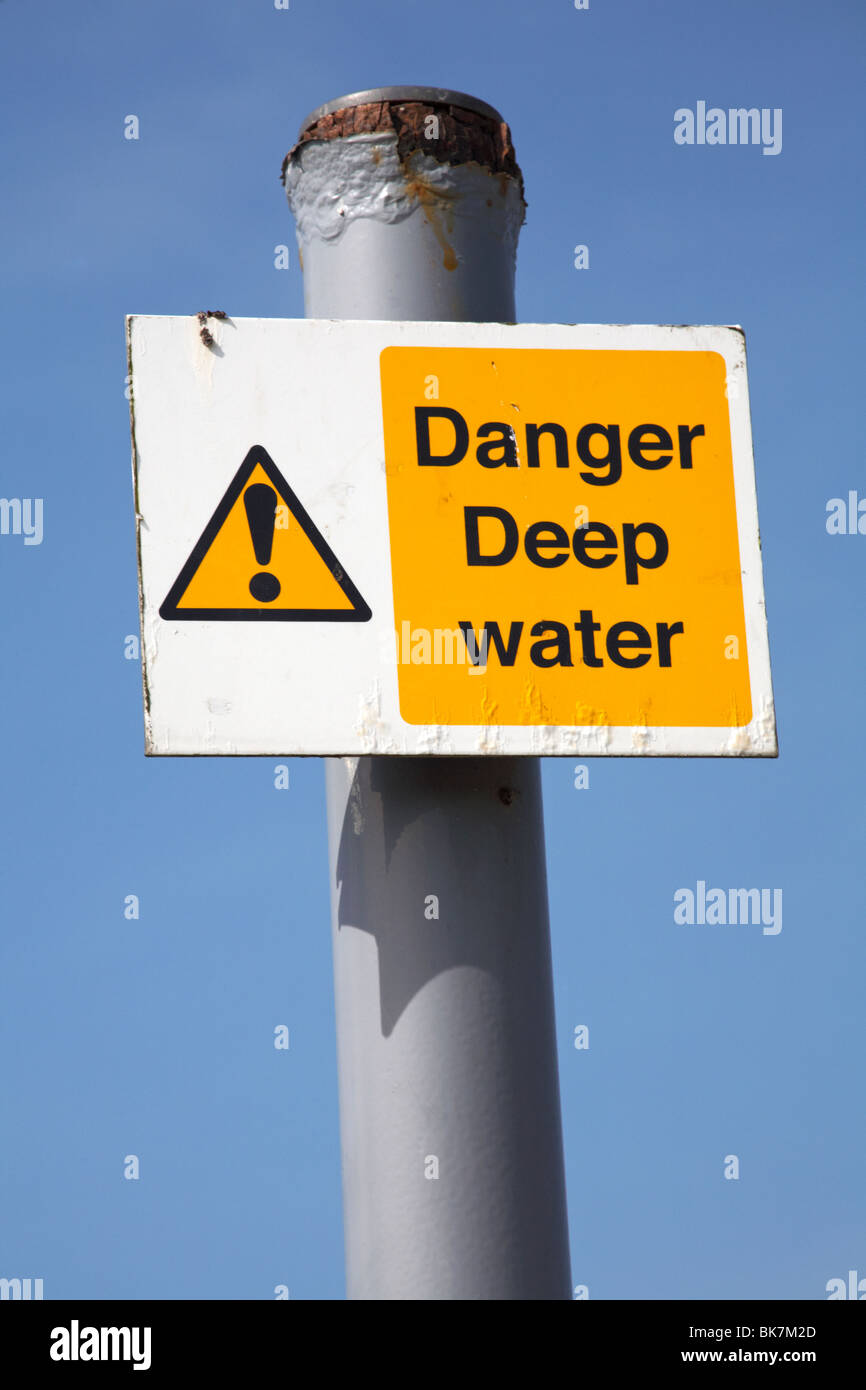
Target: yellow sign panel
564,543
262,557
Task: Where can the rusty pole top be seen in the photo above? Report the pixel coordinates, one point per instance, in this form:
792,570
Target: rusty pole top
467,129
433,96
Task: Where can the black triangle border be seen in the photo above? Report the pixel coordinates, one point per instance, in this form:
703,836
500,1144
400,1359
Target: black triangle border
360,611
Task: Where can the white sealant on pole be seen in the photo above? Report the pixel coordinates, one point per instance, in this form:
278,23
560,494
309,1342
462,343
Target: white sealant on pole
408,204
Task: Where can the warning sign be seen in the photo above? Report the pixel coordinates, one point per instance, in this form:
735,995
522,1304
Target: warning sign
568,519
551,532
261,557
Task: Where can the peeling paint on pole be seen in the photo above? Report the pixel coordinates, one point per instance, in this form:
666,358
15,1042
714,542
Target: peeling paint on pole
381,162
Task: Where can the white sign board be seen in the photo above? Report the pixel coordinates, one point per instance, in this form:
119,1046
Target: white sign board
439,538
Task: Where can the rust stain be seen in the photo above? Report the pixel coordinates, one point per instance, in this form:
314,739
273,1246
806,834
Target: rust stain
436,204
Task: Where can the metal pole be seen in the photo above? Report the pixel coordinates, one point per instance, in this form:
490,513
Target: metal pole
453,1178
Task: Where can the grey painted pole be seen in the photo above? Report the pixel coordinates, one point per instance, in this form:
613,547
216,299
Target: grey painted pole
453,1179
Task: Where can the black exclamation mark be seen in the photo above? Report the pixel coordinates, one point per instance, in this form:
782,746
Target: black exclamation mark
261,506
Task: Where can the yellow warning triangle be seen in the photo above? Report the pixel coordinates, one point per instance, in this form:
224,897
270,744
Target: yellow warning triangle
262,557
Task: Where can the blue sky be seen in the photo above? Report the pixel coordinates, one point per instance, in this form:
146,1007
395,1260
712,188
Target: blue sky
154,1036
